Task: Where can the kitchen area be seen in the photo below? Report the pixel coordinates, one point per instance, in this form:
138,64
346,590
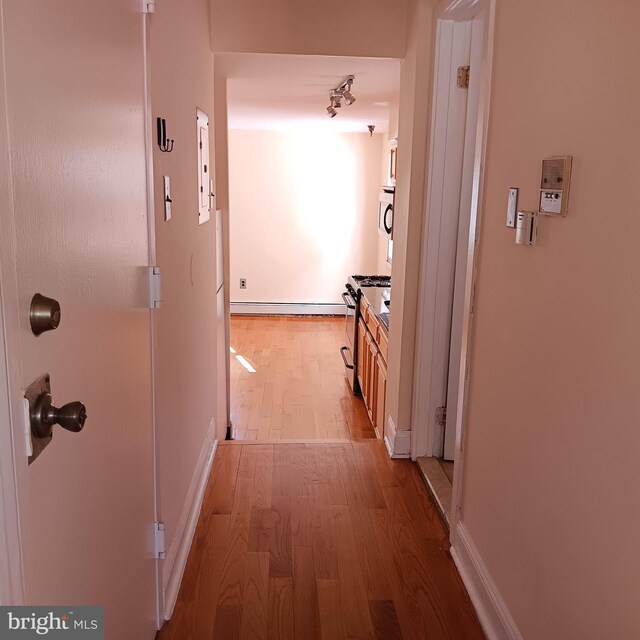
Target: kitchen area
367,309
365,354
311,208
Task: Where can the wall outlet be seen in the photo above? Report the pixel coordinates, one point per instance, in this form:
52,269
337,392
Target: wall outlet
243,283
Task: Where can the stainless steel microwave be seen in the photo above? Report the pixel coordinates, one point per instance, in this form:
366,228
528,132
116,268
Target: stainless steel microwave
385,217
385,210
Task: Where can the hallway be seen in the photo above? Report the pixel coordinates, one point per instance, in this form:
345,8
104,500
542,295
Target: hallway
319,541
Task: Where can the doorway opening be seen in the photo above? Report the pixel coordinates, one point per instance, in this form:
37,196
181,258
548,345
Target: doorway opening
304,193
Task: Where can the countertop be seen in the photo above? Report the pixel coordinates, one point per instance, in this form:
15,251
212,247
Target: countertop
376,297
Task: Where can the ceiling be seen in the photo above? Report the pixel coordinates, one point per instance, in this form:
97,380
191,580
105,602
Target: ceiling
284,92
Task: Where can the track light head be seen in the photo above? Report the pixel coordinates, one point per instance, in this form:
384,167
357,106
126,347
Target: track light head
349,99
331,112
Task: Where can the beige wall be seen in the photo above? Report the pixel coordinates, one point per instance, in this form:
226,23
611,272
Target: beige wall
551,488
331,27
182,79
303,213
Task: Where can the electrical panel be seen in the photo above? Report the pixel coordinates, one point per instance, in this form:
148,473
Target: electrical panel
204,170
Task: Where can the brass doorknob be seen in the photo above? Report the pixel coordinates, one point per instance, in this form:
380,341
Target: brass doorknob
44,415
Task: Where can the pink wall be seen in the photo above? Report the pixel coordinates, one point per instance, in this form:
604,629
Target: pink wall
551,488
413,135
182,79
331,27
303,213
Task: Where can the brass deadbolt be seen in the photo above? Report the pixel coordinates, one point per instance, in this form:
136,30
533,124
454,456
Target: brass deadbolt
44,314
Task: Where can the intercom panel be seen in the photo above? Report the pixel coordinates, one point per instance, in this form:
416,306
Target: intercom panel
554,186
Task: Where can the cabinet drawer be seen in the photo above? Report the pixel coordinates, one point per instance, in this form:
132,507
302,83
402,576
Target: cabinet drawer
383,341
372,322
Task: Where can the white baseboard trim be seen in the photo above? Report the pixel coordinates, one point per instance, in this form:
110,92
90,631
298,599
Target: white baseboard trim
492,611
286,309
398,442
176,558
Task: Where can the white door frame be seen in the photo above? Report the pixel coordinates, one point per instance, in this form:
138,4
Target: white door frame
151,226
11,582
423,434
464,212
11,577
440,231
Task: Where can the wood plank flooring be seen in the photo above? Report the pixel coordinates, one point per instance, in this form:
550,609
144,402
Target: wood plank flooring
298,390
319,541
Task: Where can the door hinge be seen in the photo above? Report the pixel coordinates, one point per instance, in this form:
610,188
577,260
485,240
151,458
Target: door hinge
158,529
148,6
473,299
463,77
441,416
155,296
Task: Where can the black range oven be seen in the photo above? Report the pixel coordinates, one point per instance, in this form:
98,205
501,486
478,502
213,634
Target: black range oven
351,297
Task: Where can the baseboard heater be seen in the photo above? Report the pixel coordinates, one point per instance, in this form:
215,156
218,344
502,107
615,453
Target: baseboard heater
287,308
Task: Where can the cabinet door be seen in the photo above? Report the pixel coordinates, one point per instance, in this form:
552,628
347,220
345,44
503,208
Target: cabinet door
372,352
381,395
361,364
366,377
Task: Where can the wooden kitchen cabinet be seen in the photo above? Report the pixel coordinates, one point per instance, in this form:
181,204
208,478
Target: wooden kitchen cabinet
381,395
370,382
373,344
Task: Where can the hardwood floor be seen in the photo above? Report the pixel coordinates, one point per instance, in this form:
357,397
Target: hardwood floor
298,390
319,541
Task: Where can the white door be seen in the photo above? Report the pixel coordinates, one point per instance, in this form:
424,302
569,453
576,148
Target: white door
74,98
454,380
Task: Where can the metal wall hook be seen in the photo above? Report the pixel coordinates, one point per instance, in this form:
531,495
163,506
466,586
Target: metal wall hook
165,144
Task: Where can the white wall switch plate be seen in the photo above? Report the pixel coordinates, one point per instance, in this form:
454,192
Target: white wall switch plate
167,198
512,207
526,228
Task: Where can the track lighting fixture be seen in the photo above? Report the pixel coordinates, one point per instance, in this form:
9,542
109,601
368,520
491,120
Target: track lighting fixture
340,93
